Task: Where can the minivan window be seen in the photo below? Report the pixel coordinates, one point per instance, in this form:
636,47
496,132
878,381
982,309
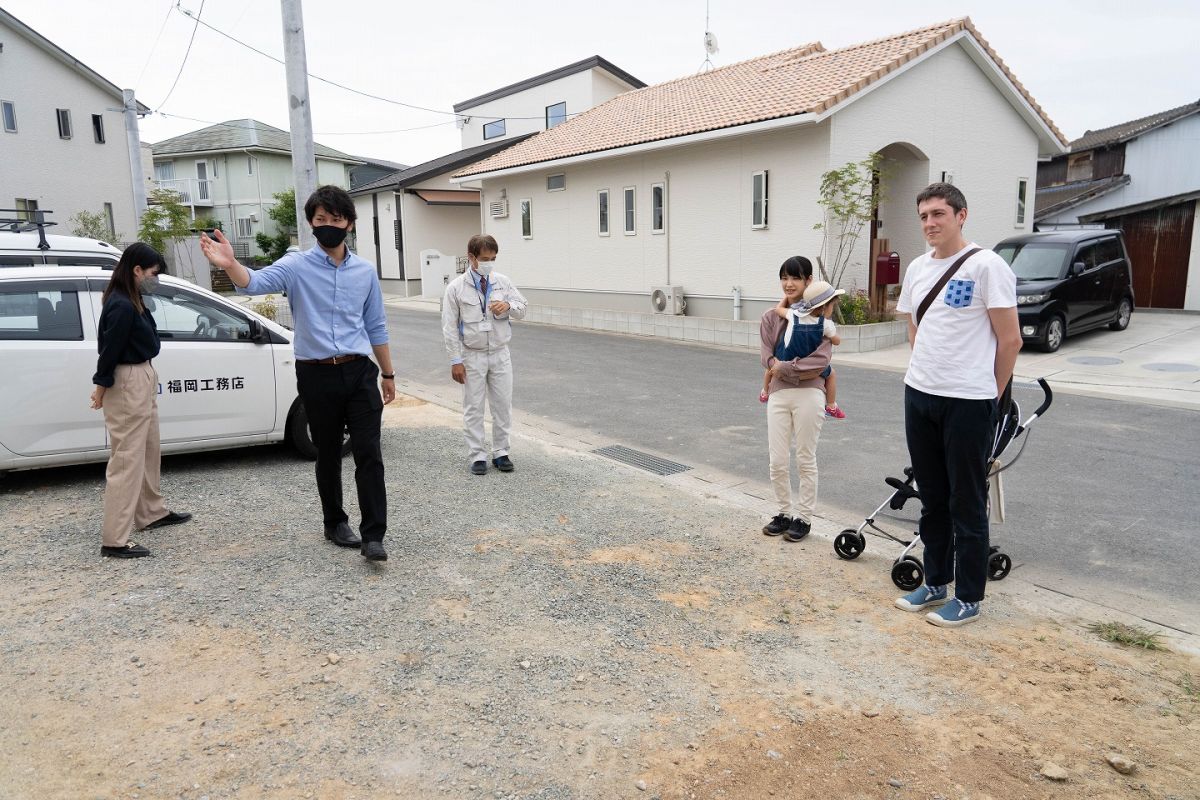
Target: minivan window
20,261
1035,261
1108,250
181,316
40,315
82,261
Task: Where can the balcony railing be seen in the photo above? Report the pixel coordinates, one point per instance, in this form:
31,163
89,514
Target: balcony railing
192,191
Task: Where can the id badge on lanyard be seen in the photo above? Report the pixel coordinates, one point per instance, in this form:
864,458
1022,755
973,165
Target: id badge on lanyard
486,325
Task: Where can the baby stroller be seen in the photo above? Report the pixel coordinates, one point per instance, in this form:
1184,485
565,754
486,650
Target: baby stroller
907,570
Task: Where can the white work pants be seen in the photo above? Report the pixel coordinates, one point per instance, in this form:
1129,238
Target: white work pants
489,375
794,420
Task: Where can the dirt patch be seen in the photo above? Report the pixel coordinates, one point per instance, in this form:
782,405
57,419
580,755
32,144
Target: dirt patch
570,630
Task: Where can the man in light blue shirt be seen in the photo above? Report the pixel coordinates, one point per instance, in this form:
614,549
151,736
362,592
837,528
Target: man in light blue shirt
337,307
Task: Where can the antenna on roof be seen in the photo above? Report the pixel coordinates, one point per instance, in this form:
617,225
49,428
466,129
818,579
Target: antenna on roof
710,43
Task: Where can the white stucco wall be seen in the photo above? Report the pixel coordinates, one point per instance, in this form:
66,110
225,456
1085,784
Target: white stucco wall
65,176
711,243
442,228
575,90
947,108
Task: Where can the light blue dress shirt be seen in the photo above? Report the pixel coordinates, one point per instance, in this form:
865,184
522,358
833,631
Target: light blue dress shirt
338,310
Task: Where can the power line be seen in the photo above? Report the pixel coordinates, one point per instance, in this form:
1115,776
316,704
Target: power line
154,47
342,86
186,53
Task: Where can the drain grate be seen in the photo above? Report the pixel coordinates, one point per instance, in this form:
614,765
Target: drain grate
636,458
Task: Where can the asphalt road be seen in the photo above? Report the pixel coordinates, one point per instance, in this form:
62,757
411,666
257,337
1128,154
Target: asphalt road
1100,505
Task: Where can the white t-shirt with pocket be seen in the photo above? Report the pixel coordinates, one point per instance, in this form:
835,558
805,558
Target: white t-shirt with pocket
954,354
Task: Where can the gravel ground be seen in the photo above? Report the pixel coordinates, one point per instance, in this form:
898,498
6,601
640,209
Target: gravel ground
575,629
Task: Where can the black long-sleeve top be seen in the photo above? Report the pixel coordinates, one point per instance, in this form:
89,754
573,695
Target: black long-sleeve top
124,337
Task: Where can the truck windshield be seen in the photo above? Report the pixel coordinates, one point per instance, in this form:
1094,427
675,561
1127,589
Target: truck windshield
1035,261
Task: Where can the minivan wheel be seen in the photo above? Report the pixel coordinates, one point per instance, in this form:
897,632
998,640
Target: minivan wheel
300,437
1056,331
1124,312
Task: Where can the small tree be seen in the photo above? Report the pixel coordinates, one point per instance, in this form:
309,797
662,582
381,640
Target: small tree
93,226
284,215
166,218
849,196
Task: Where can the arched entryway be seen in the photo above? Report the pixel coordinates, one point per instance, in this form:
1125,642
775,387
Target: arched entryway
904,172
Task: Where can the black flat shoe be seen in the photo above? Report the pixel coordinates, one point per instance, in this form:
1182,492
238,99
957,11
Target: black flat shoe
172,518
373,551
797,531
342,536
130,550
479,468
503,463
778,525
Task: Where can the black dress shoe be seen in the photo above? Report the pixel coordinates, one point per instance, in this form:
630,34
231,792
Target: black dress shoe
798,530
172,518
130,550
342,536
479,468
503,463
373,551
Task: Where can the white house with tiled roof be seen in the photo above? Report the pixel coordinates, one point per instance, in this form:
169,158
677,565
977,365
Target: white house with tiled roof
710,181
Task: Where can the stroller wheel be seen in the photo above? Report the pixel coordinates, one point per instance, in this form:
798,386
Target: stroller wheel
849,544
907,573
999,565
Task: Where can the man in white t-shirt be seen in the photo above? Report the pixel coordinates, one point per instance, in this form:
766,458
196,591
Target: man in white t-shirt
964,347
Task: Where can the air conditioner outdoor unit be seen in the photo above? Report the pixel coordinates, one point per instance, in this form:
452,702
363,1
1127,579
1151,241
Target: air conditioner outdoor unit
667,299
499,208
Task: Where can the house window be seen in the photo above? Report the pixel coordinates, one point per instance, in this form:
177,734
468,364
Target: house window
658,221
556,183
164,171
64,122
244,228
602,206
109,222
250,165
98,128
212,165
630,212
527,219
25,208
9,111
556,115
1022,188
758,206
494,129
1079,167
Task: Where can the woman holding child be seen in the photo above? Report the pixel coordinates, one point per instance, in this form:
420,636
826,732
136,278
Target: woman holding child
796,347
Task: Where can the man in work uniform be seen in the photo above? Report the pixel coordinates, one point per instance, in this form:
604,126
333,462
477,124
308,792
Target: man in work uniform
476,310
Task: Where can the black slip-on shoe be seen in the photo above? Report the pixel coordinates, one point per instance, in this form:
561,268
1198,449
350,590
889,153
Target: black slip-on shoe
130,550
342,536
479,468
373,551
778,525
172,518
503,463
797,530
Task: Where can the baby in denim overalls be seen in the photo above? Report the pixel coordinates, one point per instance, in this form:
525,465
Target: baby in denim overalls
804,334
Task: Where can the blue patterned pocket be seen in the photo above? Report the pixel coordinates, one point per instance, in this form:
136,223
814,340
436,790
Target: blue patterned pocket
959,293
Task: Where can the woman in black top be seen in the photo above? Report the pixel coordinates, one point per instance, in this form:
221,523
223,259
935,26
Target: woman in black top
126,387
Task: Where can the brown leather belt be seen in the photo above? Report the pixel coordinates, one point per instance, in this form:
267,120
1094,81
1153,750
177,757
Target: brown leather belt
333,360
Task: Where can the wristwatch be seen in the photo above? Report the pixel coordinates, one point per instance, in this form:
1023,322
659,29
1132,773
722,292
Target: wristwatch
387,377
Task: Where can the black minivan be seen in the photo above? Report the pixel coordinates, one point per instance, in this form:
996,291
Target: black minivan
1069,282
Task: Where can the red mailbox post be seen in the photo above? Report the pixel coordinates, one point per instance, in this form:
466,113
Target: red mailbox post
887,268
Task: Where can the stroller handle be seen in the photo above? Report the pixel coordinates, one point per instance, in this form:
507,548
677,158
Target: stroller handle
1049,397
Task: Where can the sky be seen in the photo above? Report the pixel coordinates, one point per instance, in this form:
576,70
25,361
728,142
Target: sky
1089,65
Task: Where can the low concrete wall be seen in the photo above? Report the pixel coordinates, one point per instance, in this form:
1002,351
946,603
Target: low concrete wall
706,330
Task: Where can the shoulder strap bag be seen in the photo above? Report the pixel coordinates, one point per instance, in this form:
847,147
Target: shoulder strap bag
942,281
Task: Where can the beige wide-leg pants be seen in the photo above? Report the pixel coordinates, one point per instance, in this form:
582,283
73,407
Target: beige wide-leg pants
794,420
132,498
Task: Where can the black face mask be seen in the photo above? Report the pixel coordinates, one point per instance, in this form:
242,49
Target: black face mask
329,235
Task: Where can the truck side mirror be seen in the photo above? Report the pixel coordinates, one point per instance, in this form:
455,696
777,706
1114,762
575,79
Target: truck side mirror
256,331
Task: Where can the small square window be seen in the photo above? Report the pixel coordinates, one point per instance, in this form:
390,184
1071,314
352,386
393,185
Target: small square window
9,111
493,130
556,183
64,122
556,115
245,229
527,219
758,208
602,206
658,212
98,128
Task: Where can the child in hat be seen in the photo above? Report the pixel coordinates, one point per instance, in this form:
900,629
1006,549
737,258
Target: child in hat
808,325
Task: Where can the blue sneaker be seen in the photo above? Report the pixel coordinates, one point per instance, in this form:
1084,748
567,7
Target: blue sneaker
922,598
953,614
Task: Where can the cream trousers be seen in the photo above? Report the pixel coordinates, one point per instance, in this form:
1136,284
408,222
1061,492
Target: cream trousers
794,419
490,378
131,493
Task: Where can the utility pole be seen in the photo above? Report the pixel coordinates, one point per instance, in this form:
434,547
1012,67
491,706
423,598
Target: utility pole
134,141
304,161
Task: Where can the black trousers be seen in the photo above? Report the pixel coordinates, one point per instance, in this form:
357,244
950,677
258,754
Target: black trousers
338,397
949,442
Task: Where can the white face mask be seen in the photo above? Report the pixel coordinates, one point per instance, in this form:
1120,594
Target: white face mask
485,267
